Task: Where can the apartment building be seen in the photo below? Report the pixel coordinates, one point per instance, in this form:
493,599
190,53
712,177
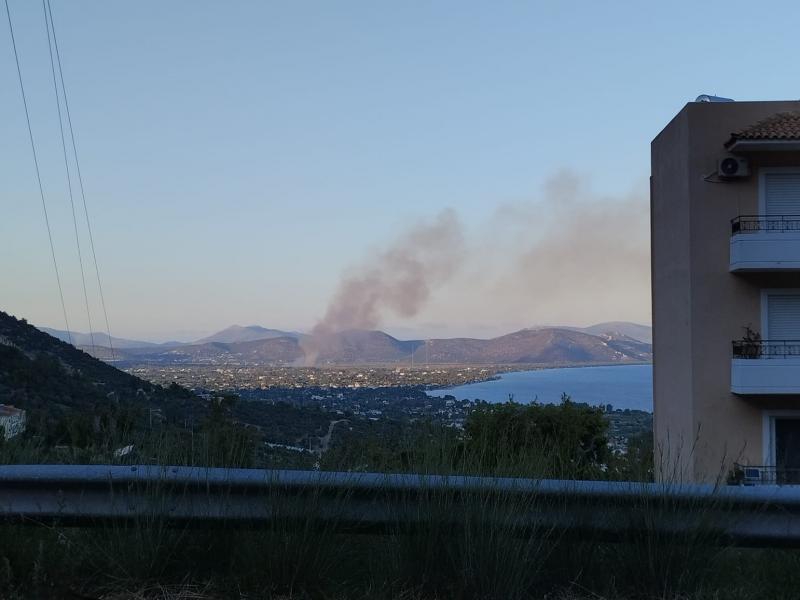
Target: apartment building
725,220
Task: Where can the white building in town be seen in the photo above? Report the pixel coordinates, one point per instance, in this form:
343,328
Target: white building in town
12,421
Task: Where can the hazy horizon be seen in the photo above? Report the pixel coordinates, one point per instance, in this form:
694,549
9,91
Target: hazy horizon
479,332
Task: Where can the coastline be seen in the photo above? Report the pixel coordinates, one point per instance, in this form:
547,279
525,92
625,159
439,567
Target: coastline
535,367
436,392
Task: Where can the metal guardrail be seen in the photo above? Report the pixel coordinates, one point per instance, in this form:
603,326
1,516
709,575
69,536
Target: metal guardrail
771,223
93,495
766,348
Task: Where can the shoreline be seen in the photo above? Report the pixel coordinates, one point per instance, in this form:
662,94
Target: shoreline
556,366
499,376
553,367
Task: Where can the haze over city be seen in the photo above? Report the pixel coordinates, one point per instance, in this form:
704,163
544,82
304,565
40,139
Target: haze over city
243,165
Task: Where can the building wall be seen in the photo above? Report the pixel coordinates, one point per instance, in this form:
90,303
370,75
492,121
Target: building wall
699,307
673,421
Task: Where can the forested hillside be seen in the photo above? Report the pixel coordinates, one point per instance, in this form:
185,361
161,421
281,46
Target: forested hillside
57,383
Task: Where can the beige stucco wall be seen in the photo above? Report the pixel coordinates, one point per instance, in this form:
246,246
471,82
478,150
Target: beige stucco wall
669,212
698,306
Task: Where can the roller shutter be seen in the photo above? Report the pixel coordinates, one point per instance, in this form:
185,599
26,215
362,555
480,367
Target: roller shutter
782,193
783,317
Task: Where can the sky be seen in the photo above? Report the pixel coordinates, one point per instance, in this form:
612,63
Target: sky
241,158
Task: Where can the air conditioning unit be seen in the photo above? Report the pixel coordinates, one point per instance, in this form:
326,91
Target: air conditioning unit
732,167
752,475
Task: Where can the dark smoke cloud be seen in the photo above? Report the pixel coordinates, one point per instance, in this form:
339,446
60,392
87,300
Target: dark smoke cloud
397,281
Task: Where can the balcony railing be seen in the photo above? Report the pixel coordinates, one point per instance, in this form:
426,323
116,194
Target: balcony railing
764,223
765,475
766,349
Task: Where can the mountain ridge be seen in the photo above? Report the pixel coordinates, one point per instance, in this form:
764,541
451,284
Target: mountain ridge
642,333
247,333
80,339
543,346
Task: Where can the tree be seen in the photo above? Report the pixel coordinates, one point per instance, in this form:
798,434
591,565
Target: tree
562,440
225,443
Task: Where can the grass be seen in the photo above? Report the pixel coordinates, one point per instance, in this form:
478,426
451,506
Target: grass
449,545
470,563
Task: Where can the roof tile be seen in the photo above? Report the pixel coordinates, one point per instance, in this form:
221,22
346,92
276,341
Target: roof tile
780,126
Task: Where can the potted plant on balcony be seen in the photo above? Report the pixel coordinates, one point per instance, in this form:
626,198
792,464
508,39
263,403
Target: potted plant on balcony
735,475
751,343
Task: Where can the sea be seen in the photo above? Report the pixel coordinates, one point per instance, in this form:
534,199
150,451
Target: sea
621,386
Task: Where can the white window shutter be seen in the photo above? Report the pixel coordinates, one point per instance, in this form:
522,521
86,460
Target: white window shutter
782,193
783,317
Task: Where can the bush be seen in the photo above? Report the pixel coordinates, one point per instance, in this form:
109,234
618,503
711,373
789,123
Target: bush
566,440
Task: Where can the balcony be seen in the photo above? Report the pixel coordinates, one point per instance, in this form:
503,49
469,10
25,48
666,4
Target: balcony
765,243
764,475
765,367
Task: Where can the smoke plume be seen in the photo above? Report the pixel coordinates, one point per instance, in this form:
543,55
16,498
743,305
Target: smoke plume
398,280
568,257
586,258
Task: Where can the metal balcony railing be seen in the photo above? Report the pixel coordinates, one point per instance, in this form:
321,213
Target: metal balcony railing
765,223
766,475
766,348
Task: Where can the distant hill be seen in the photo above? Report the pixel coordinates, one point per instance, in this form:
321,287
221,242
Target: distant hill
237,333
536,346
641,333
529,346
41,372
350,347
359,347
611,342
230,335
100,339
282,350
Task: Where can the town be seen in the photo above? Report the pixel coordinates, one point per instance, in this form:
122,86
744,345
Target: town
225,377
382,396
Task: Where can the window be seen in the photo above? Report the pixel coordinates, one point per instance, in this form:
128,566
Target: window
780,192
782,446
786,446
782,314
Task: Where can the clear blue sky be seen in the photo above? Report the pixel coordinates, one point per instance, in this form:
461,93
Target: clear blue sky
238,156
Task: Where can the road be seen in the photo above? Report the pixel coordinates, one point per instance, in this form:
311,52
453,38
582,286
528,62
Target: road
325,441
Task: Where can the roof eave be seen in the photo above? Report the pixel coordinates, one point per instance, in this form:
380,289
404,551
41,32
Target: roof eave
766,145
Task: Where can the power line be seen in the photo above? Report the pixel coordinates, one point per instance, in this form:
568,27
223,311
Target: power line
80,179
38,175
47,24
